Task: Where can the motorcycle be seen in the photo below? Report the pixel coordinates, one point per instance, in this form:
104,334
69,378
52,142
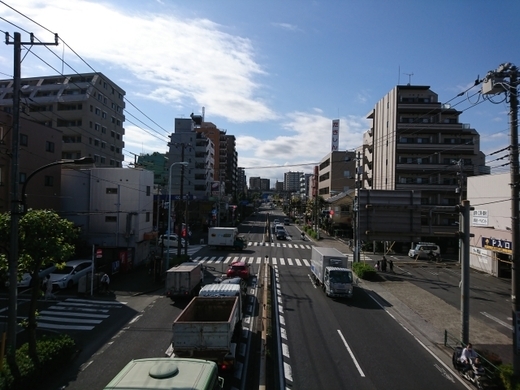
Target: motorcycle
474,373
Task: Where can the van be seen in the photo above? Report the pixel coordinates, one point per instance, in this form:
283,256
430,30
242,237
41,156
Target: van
423,249
286,221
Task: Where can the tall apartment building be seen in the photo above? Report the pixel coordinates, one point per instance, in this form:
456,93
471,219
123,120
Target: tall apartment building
198,151
241,181
87,108
337,173
417,143
226,156
255,183
291,181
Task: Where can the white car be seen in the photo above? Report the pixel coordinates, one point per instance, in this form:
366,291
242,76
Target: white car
69,276
172,240
26,280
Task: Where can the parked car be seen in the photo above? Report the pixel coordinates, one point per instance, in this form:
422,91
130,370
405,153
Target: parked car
69,276
238,268
286,221
171,240
26,280
423,250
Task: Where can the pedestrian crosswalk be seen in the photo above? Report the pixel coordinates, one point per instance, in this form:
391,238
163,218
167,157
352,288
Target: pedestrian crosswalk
253,260
76,314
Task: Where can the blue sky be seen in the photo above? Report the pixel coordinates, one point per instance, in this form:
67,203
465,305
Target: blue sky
273,73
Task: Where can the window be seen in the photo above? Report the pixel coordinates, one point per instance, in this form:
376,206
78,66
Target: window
103,130
98,111
148,189
112,190
23,177
103,160
104,115
49,181
110,218
97,127
147,216
49,146
103,145
96,142
24,140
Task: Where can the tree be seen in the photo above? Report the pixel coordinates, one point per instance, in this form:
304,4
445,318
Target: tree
44,238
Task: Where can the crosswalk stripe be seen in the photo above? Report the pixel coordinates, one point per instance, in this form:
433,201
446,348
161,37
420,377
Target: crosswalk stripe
298,263
274,260
228,259
76,314
282,261
306,263
289,261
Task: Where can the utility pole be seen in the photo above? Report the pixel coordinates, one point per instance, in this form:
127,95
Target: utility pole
495,83
179,208
15,200
464,242
357,233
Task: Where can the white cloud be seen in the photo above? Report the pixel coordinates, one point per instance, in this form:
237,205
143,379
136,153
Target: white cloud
286,26
176,59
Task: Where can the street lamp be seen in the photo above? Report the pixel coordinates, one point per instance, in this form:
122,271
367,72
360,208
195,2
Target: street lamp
79,161
184,164
14,250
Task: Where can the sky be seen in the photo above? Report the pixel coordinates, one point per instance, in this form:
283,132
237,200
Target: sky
273,73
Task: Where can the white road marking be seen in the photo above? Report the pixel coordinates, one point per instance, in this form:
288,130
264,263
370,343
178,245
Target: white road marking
351,354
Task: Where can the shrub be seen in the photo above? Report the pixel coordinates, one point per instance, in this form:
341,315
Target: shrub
53,353
364,271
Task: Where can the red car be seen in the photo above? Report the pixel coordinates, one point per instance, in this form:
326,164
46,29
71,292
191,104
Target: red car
238,268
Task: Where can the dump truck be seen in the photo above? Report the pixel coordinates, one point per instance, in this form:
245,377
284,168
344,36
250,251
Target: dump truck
184,280
329,269
226,238
208,328
167,373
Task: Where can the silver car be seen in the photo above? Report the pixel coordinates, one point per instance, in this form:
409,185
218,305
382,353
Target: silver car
70,275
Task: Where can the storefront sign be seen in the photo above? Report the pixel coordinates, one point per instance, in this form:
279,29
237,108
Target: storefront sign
497,245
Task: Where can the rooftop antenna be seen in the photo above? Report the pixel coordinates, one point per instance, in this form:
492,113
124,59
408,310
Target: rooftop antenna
409,77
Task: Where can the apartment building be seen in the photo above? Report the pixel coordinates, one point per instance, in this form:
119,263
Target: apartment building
291,181
87,108
417,143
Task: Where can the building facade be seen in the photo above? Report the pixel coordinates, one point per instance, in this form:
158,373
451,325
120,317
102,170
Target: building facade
491,247
38,146
114,209
336,173
417,143
88,109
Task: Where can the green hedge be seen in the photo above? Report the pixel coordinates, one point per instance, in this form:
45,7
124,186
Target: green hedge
53,353
364,271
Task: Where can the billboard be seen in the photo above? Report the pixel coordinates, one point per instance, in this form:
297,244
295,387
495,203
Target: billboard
335,135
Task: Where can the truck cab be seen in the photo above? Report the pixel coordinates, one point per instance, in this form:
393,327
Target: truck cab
337,282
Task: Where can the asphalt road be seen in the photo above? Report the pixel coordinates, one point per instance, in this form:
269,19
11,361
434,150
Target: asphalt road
326,343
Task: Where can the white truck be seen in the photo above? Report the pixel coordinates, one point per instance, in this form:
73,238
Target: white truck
208,329
184,280
226,237
218,290
329,269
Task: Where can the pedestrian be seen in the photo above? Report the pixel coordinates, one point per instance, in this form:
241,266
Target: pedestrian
105,283
391,264
377,265
383,264
48,288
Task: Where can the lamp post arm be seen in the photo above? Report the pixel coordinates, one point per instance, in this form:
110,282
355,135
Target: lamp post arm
79,161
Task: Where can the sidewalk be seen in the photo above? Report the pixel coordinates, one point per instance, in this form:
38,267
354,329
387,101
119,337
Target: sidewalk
425,312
